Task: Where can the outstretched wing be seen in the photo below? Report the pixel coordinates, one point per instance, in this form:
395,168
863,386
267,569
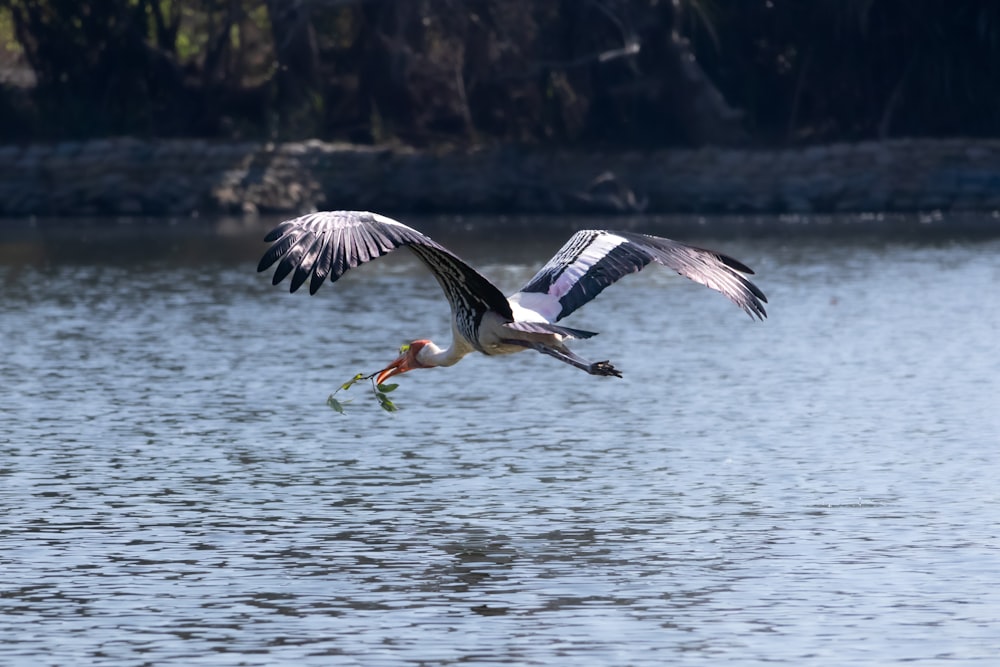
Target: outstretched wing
591,260
325,245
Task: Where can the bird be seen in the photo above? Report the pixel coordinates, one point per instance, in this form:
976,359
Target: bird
325,245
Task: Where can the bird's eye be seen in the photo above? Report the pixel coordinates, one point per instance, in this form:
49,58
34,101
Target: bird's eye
404,348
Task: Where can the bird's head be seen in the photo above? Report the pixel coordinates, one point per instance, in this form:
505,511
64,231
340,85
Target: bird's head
406,361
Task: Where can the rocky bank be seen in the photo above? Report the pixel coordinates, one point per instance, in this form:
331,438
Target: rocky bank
183,177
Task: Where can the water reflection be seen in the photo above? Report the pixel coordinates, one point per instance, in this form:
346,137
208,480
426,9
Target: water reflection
812,489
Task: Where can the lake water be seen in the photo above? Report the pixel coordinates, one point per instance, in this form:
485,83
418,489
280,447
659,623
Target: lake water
820,488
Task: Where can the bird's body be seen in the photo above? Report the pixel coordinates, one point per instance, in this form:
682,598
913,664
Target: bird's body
325,245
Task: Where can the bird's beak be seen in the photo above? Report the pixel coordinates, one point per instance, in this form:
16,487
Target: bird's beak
401,365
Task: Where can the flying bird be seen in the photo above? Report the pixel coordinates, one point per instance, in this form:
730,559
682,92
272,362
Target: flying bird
325,245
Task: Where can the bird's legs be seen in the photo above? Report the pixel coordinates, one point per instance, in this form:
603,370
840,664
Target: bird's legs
567,356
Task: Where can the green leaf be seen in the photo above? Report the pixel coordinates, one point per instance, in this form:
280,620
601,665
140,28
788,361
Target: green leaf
335,404
347,385
379,390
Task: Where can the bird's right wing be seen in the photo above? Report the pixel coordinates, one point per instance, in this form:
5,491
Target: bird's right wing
327,244
592,259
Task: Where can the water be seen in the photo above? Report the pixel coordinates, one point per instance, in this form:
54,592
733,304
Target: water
816,489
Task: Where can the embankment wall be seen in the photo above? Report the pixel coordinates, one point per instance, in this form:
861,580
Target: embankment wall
127,176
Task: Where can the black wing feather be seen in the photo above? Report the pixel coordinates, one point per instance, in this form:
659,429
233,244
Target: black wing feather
591,260
707,267
323,264
308,263
279,231
326,245
339,264
276,251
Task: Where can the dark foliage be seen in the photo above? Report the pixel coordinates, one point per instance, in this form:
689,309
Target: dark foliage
625,73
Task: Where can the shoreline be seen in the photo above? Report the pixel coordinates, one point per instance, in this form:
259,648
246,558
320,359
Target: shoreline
192,177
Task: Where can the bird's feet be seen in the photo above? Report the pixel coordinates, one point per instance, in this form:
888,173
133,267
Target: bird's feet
604,368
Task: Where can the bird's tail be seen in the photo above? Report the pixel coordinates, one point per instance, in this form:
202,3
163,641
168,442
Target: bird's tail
548,328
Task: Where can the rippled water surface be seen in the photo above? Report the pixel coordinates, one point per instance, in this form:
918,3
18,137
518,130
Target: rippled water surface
821,488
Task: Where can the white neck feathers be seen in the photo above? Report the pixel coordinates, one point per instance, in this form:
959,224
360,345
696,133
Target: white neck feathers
430,355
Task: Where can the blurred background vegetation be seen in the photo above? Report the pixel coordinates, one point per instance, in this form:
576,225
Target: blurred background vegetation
441,73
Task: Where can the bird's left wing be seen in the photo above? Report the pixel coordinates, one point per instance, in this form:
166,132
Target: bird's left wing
591,260
327,244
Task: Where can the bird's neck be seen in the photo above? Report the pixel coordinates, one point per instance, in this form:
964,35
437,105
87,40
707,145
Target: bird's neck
431,355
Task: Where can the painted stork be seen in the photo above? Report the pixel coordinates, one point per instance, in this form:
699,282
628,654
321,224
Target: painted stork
325,245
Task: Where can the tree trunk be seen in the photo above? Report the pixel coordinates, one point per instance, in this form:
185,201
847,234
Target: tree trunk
687,95
300,100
